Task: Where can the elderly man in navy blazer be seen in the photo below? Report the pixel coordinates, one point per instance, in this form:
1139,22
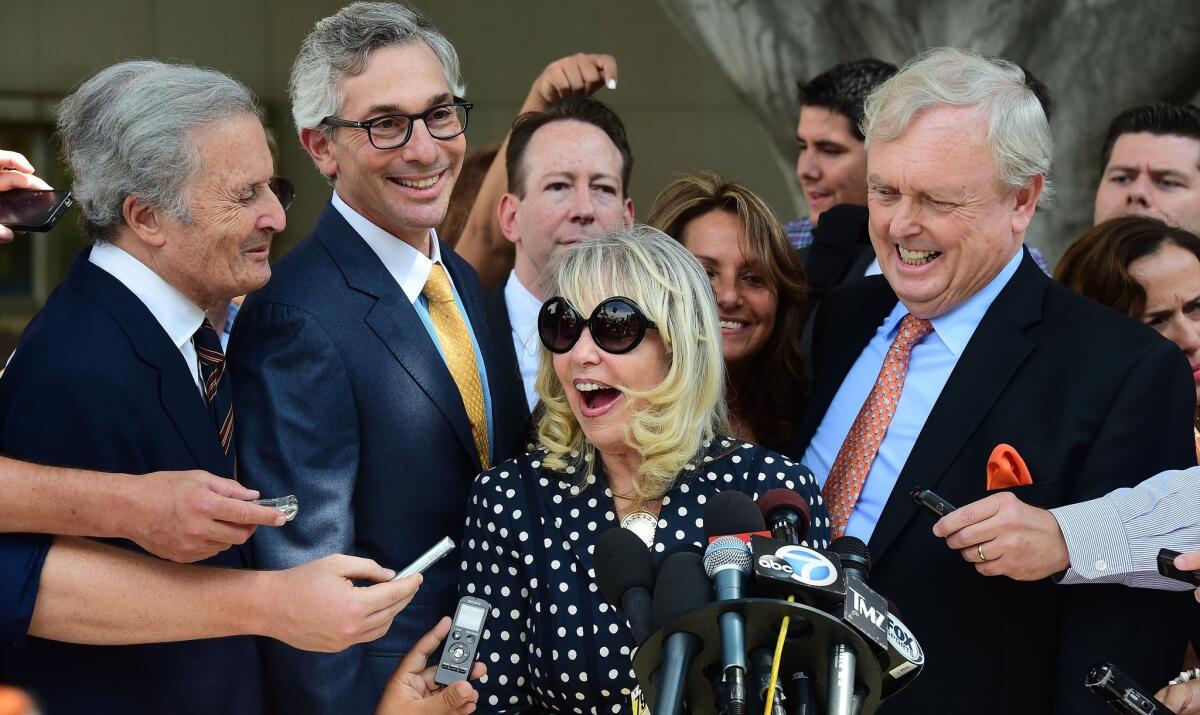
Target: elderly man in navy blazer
121,372
363,367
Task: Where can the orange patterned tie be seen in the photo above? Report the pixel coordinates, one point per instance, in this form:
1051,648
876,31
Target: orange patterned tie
854,459
460,354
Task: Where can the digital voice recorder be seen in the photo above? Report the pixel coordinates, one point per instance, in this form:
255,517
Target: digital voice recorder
465,633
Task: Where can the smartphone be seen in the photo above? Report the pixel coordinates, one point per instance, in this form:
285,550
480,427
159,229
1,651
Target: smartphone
1166,567
466,630
931,501
1122,694
31,210
427,559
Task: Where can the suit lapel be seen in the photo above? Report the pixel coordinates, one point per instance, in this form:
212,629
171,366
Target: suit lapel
991,358
181,398
842,330
395,322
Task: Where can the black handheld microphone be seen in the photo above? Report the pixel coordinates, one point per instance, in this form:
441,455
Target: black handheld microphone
761,660
681,586
802,697
787,514
864,609
732,514
727,562
625,574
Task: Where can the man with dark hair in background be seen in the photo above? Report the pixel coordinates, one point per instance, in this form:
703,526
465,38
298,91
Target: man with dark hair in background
568,170
1152,165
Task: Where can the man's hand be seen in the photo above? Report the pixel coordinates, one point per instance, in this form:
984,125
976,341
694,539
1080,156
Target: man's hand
1183,699
1018,540
16,173
411,690
316,607
1189,562
579,74
189,516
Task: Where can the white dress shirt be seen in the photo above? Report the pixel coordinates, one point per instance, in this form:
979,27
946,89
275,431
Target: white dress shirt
523,308
178,316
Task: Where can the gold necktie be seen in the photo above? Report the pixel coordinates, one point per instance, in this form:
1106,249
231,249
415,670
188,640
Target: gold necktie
460,354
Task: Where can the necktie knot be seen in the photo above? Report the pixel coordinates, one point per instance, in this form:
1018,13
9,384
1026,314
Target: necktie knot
437,286
217,392
912,331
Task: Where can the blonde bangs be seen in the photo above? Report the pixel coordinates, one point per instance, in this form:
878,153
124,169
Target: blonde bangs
688,407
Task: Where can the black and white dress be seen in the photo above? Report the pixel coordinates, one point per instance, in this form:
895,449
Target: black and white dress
553,643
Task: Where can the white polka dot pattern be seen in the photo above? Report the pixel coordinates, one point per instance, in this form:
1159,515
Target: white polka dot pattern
556,645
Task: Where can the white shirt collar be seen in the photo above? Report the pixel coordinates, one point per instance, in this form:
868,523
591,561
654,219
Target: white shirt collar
407,265
523,309
177,315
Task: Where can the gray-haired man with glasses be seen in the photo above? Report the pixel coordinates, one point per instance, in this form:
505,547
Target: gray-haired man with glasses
363,365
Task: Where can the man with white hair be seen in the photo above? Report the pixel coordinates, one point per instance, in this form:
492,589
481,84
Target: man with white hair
120,370
964,345
364,365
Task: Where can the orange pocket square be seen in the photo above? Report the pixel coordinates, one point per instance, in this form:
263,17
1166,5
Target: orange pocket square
1005,469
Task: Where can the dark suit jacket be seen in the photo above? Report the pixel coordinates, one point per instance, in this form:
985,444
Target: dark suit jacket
1093,401
96,383
506,381
841,250
344,400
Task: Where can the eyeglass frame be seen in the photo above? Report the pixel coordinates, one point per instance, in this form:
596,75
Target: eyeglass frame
332,121
283,182
644,324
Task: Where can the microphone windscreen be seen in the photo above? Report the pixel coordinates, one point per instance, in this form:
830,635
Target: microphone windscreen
683,547
732,513
727,552
853,553
622,562
782,497
682,586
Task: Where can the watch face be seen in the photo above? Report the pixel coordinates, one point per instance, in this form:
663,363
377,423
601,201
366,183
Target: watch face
642,523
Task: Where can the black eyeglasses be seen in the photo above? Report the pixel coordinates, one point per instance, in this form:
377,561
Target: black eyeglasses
389,131
617,325
283,190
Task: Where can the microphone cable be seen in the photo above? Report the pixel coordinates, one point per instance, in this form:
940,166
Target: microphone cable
783,629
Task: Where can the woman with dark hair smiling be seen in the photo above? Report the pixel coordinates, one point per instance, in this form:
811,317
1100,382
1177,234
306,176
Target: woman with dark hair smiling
1146,269
760,290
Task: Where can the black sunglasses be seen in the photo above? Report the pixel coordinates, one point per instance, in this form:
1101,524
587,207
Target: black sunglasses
617,325
283,190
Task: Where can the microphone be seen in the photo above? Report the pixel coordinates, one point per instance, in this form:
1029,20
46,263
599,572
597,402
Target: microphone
761,660
803,699
842,664
787,513
732,514
625,574
905,658
681,586
864,609
727,563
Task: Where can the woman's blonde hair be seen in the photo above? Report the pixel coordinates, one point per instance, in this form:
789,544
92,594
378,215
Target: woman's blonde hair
688,407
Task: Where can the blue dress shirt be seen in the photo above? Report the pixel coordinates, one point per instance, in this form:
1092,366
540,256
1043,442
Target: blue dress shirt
932,361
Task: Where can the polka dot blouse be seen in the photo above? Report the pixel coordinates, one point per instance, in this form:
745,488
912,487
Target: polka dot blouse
553,643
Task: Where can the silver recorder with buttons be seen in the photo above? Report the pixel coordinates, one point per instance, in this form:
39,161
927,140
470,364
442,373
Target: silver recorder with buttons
465,633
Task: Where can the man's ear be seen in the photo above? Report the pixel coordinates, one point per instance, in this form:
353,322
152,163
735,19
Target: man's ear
144,221
1025,203
507,212
320,147
629,213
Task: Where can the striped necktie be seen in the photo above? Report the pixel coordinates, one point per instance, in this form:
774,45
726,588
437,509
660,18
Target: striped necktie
218,394
854,459
456,344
